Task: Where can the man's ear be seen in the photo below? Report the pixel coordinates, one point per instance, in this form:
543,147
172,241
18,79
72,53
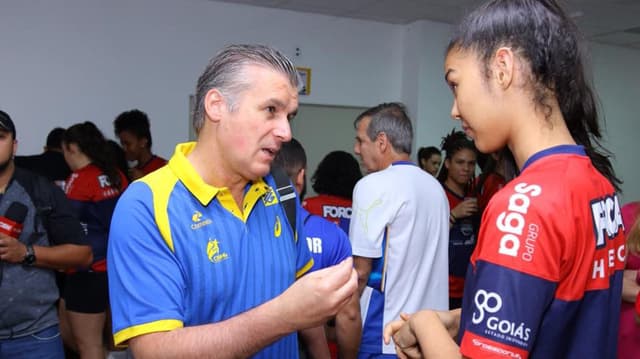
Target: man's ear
382,142
504,67
447,163
299,180
214,105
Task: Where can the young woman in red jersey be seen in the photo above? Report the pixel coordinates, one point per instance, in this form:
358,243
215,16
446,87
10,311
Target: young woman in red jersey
456,176
546,276
93,189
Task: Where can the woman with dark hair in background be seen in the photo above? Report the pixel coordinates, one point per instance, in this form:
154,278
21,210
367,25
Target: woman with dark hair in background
333,181
430,159
457,176
629,337
545,279
93,189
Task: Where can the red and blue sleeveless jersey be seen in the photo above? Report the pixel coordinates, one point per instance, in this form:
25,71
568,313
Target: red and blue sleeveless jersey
93,199
545,279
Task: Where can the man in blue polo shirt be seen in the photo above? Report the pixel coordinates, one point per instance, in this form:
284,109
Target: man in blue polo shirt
202,260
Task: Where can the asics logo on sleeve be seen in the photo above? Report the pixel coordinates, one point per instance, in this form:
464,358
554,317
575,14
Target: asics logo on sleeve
277,227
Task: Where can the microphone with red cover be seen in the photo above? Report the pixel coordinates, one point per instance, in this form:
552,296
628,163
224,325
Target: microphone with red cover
11,223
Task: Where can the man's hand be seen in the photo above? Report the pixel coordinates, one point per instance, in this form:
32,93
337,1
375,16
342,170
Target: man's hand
11,250
318,296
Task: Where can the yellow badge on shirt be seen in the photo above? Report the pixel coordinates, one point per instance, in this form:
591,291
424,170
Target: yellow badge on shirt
213,251
277,228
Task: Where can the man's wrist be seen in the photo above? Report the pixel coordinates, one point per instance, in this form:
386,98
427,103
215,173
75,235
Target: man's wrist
29,257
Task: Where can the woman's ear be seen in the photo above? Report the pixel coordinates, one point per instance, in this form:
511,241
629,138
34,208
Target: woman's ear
504,67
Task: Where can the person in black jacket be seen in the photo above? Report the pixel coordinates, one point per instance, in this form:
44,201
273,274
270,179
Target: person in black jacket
38,235
49,163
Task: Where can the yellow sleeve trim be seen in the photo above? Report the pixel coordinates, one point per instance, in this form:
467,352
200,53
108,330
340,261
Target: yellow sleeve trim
153,327
304,269
162,183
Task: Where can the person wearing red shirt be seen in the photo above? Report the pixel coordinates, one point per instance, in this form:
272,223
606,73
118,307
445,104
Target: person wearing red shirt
545,279
93,188
133,130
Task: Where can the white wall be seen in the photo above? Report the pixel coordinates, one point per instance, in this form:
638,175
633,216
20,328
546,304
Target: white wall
617,82
65,61
424,90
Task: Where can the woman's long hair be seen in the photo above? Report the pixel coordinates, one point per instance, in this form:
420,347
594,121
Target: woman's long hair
93,144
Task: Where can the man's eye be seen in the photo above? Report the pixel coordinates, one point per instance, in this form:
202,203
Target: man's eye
271,109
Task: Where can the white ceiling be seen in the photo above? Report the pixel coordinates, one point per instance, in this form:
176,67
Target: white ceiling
614,22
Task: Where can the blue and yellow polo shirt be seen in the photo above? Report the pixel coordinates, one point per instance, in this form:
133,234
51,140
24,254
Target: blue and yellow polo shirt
181,253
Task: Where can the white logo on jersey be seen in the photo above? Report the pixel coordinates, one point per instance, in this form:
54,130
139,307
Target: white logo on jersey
607,219
482,299
103,180
315,245
363,214
607,223
495,349
336,212
490,302
512,222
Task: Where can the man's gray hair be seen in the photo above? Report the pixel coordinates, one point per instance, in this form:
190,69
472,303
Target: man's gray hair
225,72
392,119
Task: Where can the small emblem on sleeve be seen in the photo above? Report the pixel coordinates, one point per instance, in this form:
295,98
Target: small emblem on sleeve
487,315
363,214
270,198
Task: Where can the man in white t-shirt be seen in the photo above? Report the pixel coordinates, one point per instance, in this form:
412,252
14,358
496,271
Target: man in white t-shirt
399,228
